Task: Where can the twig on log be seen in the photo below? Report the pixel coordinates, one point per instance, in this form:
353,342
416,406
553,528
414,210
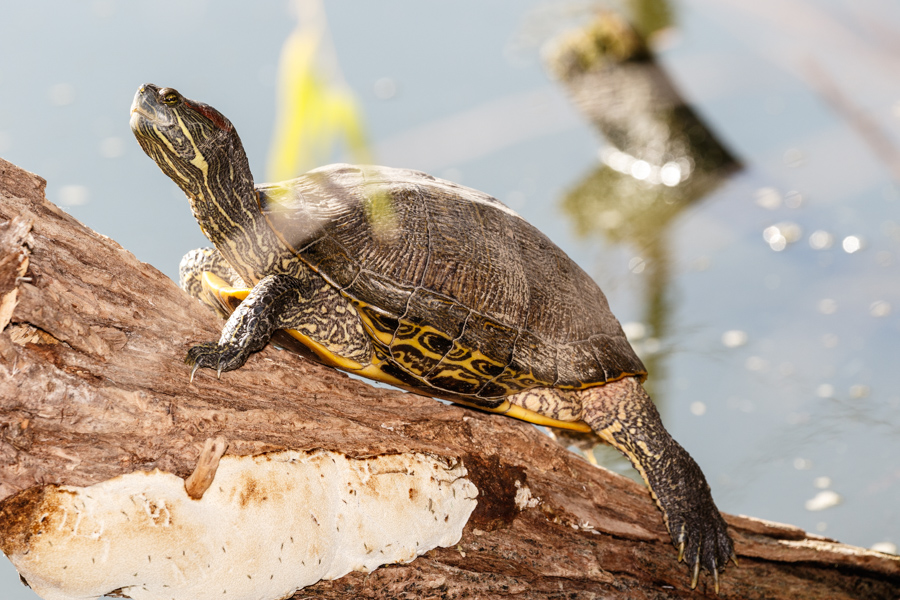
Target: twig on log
207,465
92,385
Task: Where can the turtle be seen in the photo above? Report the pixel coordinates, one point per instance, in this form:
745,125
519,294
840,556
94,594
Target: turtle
424,284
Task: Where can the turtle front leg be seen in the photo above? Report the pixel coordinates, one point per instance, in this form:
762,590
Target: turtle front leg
623,415
309,305
198,261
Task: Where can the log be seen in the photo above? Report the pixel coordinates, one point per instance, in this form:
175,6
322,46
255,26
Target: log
92,386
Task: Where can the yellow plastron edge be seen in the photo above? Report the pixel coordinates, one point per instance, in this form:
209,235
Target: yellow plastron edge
230,297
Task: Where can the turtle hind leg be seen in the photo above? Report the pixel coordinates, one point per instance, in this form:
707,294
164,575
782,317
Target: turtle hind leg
307,305
623,415
548,406
190,273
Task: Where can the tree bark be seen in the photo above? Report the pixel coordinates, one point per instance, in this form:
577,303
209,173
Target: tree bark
92,385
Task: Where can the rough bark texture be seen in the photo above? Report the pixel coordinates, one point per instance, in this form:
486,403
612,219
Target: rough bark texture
92,385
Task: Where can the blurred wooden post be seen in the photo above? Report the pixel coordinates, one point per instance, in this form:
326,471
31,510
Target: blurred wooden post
92,385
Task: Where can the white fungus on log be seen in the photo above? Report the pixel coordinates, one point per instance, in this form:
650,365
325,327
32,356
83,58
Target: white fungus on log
268,525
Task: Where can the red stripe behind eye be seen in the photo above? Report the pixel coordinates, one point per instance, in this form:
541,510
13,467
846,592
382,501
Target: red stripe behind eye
210,113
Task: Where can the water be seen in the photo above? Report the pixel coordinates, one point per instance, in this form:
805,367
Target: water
773,357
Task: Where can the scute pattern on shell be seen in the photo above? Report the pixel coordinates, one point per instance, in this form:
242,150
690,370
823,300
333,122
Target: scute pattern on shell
517,313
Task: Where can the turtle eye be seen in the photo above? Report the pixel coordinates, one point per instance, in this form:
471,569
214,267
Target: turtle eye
169,96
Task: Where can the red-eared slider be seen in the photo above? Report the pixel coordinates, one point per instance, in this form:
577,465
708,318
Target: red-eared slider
422,283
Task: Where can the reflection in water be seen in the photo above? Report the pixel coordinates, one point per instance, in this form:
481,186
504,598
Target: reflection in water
661,160
662,157
316,110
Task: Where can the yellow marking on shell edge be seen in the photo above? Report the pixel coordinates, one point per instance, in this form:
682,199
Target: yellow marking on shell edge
218,287
382,336
421,332
329,358
458,369
371,371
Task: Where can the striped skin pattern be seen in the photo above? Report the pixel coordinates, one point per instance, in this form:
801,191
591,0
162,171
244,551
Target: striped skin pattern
282,302
625,417
242,238
423,284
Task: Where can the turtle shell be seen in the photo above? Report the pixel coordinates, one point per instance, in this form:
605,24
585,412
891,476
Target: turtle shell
461,296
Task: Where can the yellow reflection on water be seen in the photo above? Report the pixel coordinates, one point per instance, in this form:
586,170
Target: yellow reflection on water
316,111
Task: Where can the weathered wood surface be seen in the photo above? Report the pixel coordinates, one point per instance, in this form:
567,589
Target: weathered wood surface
92,385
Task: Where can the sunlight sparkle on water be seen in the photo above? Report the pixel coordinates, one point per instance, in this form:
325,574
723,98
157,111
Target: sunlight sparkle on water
852,244
820,240
634,330
802,464
793,199
793,157
859,391
73,195
880,308
822,483
768,198
670,174
774,238
778,236
825,390
640,170
637,265
886,547
822,500
616,159
734,338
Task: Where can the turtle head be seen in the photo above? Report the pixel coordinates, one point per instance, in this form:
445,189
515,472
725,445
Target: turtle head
193,143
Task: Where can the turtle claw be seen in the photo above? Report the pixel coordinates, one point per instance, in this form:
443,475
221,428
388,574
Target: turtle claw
214,356
680,541
701,537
